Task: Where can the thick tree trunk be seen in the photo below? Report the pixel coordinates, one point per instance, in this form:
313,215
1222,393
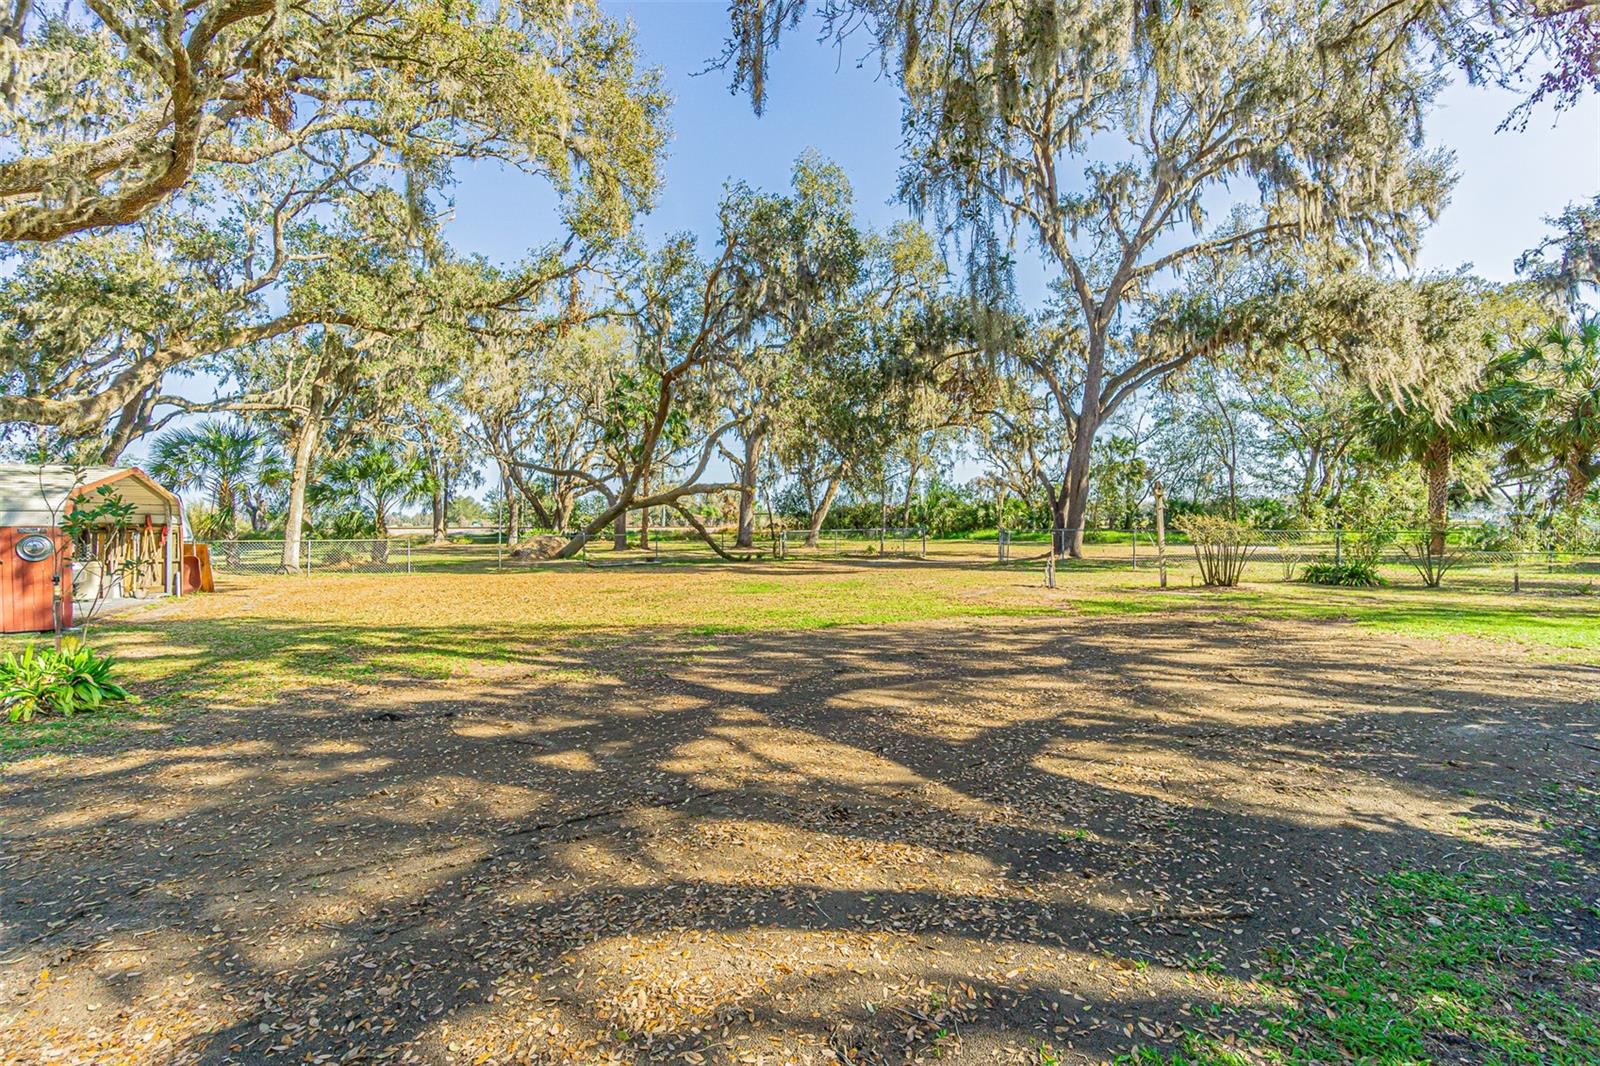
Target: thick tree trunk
705,534
1078,483
820,515
132,420
440,507
912,470
1436,468
305,448
644,515
619,532
1078,460
521,487
747,486
617,509
1577,485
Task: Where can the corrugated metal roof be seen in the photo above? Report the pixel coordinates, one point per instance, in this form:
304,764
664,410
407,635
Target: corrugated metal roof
37,495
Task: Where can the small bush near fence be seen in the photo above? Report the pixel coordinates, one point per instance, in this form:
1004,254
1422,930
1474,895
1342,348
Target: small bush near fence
1425,557
1221,547
1356,574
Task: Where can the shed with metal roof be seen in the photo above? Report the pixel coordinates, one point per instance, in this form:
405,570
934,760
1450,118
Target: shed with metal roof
134,555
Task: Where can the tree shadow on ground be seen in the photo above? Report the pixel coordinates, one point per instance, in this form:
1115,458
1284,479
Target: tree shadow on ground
702,845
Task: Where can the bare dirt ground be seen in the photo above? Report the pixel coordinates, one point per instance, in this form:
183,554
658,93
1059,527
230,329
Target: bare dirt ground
969,839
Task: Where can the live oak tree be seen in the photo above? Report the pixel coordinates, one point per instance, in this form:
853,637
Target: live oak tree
91,328
320,220
112,109
1546,49
811,255
871,368
1205,436
706,337
1567,263
1306,409
683,315
539,414
1109,135
1017,425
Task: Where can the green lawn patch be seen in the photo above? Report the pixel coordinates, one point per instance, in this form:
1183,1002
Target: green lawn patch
1438,967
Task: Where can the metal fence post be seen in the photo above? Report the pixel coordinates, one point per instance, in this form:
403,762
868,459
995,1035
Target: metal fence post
1136,549
309,545
1338,547
924,542
408,556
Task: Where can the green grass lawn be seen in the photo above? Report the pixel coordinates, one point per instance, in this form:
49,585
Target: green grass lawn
456,616
1566,626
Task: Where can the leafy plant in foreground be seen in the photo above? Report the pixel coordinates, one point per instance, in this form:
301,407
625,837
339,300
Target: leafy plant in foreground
72,680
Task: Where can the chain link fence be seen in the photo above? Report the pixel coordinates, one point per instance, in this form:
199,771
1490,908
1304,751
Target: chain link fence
667,544
1274,554
380,555
1284,554
885,542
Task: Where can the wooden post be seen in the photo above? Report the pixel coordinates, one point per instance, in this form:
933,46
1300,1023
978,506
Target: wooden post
1161,532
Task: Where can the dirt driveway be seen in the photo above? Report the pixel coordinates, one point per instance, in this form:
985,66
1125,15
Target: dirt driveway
975,839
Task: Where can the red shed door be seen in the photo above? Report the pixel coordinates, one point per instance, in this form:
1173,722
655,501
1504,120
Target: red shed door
26,569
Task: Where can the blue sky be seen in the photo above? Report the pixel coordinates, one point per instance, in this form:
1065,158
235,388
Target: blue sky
822,98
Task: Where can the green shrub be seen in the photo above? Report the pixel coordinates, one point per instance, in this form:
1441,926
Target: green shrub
1358,574
43,680
1426,558
1221,546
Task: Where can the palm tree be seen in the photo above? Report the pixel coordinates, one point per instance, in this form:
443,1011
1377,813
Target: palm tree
377,478
1412,432
218,456
1551,403
266,494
